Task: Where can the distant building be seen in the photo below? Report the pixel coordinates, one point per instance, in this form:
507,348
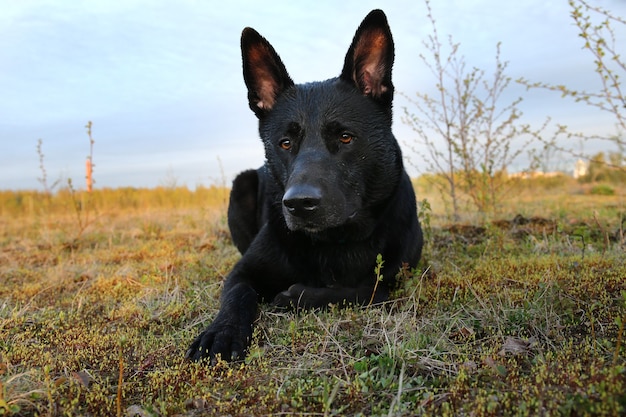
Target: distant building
535,174
580,169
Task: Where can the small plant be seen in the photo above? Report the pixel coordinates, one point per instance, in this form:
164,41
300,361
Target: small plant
379,276
7,407
424,213
81,209
84,205
43,180
120,380
620,321
469,135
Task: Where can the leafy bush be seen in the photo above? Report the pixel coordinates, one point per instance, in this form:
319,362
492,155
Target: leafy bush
602,189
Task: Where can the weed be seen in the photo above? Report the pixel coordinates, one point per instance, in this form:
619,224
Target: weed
379,276
425,213
43,180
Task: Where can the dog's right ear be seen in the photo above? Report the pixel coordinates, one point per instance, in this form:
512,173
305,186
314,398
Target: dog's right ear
370,58
264,73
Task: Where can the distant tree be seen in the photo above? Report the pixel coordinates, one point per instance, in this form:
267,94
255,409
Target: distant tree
603,170
616,159
597,166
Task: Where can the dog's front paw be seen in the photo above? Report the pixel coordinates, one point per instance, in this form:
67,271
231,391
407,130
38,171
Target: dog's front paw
220,340
300,296
291,298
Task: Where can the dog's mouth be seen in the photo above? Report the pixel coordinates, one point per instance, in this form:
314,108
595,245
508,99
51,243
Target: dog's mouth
313,227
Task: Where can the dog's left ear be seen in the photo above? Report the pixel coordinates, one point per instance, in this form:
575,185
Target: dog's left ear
263,72
370,58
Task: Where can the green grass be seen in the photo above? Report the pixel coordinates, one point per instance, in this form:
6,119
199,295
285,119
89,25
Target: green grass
502,318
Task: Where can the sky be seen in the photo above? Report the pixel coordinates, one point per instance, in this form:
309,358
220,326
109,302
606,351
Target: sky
161,81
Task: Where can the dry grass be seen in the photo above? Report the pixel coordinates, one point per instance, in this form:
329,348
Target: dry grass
520,318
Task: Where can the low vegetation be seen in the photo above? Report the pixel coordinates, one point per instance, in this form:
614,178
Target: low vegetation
519,314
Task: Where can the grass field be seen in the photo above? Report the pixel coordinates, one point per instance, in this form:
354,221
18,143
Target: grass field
522,314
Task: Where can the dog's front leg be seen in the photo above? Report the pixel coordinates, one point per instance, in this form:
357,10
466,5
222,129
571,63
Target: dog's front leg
228,337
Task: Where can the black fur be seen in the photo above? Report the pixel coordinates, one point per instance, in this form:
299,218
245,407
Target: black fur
331,196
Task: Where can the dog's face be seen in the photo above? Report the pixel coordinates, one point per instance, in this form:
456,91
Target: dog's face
328,143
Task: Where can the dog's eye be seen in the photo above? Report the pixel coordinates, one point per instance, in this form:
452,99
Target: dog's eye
346,138
285,144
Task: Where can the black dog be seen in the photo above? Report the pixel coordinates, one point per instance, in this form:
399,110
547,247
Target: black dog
332,195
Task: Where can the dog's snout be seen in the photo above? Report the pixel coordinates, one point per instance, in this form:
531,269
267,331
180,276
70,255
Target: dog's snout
302,200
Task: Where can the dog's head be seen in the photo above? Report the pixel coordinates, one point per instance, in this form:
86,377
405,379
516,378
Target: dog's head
328,144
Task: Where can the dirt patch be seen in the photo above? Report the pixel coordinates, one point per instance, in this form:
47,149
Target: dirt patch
520,227
466,233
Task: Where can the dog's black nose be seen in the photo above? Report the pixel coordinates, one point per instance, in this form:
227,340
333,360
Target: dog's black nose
302,200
